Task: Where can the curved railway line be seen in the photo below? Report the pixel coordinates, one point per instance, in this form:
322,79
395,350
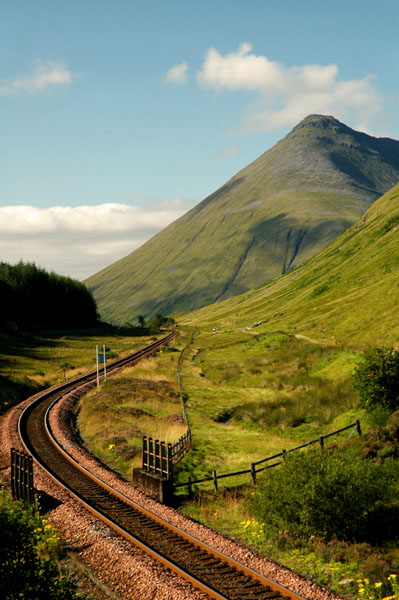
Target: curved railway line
216,574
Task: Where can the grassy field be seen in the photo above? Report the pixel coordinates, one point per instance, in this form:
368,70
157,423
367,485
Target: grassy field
271,369
142,400
250,396
262,372
30,362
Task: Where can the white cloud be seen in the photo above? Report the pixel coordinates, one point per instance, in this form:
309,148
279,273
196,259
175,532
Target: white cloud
286,95
229,152
177,74
46,74
79,241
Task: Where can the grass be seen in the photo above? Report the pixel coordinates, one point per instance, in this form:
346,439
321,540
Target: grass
250,396
142,400
276,374
280,367
357,307
29,363
329,565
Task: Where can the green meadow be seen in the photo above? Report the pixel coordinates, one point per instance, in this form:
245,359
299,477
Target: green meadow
271,369
31,362
262,372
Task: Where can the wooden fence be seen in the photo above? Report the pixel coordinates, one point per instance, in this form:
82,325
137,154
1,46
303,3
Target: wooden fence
253,470
181,447
22,476
158,457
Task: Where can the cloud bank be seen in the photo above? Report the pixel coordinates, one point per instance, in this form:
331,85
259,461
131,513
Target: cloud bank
79,241
46,74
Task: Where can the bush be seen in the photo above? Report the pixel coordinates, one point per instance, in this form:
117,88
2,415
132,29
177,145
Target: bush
328,494
376,379
29,549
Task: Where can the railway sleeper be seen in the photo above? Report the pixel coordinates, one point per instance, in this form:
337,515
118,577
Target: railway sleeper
264,595
206,567
259,597
193,553
242,594
227,570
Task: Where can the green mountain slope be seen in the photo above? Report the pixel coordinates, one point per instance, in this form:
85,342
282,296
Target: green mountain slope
268,219
349,291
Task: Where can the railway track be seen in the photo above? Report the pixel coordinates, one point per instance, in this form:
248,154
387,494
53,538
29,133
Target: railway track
214,573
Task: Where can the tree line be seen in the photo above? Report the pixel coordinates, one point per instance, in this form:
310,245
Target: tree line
31,296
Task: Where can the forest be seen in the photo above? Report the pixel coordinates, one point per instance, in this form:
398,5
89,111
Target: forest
32,297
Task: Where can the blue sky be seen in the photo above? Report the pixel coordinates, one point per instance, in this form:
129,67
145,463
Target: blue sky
116,117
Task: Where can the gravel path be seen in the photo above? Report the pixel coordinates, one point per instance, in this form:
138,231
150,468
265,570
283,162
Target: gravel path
116,568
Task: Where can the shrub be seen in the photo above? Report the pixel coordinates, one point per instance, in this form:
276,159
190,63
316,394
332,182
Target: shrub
29,549
326,494
376,379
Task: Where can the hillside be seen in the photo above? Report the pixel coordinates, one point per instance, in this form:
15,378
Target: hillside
269,370
349,291
269,218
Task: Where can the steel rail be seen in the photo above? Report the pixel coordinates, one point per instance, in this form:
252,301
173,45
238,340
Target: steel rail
234,568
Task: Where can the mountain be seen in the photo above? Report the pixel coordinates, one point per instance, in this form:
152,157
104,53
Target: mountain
348,292
269,218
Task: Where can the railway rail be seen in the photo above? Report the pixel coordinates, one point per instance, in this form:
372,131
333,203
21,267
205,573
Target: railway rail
216,574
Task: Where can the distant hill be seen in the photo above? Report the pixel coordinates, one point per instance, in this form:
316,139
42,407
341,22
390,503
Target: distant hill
269,218
349,291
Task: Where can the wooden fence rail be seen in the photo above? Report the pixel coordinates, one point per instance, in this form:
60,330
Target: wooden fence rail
253,470
181,447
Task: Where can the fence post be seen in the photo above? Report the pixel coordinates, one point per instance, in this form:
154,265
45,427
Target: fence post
215,480
31,489
321,442
358,428
22,476
151,464
13,482
253,473
25,481
190,487
144,454
157,458
18,484
169,467
163,458
284,453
